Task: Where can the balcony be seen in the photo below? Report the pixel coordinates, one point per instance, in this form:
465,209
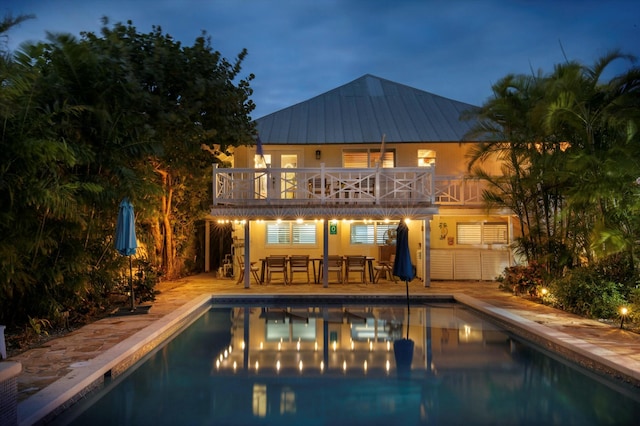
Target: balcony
333,191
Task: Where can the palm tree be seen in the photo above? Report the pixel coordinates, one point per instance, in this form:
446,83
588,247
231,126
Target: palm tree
601,119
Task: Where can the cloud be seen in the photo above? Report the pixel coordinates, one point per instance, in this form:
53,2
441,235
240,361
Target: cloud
300,49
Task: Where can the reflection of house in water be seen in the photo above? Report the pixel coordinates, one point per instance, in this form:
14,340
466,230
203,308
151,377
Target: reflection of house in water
358,340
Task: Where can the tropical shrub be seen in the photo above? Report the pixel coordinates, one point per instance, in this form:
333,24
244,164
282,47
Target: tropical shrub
523,279
583,291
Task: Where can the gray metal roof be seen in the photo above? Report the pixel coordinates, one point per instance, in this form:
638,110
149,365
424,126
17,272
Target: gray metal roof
362,111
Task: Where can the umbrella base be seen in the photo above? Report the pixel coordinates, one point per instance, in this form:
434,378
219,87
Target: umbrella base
124,311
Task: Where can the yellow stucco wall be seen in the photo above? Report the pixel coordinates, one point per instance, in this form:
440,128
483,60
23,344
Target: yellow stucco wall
338,244
451,157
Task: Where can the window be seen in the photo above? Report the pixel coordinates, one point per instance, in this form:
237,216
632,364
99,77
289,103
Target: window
290,233
304,233
278,233
482,233
365,158
426,158
372,233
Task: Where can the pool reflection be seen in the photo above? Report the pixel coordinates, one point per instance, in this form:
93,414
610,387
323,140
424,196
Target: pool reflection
357,340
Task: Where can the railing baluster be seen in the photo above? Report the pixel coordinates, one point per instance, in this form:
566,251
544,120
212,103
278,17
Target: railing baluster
327,184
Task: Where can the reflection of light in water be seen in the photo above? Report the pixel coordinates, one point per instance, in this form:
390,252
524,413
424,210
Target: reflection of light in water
257,365
344,365
300,366
365,365
388,366
235,366
321,365
278,365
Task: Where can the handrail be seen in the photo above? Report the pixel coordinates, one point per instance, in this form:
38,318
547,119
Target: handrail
331,185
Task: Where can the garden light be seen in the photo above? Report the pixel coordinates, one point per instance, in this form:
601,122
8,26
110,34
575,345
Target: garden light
623,313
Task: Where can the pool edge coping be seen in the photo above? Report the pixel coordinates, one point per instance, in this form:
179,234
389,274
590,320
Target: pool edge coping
574,348
57,395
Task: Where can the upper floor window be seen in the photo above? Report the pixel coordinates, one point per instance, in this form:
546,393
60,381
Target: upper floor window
364,158
290,233
426,158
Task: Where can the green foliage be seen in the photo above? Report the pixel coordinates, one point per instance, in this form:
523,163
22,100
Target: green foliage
39,326
569,146
585,291
634,305
85,122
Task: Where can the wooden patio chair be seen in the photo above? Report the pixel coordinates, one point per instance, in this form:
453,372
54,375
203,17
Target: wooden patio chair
277,265
252,267
334,264
298,263
355,264
384,268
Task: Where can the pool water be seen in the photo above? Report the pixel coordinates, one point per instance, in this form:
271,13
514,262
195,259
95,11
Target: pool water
335,365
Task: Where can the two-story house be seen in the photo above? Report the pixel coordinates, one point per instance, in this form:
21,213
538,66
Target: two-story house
336,173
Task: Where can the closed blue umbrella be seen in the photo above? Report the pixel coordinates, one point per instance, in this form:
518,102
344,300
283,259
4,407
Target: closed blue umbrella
126,243
402,266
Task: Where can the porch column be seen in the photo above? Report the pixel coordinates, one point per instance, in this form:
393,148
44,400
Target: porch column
247,256
426,252
325,252
207,248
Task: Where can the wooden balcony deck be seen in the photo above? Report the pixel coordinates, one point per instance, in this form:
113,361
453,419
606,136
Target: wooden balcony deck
344,192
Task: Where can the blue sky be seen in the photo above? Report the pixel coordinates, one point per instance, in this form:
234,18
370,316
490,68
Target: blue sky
301,48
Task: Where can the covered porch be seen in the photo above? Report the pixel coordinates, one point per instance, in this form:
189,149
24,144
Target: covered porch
325,197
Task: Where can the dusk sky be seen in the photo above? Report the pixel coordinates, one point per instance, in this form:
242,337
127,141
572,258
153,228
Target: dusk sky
301,48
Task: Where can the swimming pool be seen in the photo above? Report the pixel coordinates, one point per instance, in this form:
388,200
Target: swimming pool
267,363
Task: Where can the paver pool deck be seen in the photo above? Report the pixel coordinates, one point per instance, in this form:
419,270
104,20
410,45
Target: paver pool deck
50,363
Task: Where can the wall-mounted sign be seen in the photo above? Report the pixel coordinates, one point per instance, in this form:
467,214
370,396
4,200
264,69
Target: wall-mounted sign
333,229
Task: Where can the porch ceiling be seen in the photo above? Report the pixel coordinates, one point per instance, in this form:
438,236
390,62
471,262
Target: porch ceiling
333,211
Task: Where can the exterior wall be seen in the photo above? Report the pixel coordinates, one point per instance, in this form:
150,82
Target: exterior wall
337,244
450,156
453,261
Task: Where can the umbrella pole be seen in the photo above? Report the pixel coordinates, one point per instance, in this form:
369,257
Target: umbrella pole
408,310
131,285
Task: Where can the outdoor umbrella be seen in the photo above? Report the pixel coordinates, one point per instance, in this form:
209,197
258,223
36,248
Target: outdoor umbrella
403,268
126,243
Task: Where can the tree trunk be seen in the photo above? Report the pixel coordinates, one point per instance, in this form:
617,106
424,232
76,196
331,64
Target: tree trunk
168,252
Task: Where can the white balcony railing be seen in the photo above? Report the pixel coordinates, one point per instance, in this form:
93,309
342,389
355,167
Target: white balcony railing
458,191
324,185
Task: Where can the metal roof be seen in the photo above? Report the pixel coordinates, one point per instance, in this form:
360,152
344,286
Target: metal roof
362,111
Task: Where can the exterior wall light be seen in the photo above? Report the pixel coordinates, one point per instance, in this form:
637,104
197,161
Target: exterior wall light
318,154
